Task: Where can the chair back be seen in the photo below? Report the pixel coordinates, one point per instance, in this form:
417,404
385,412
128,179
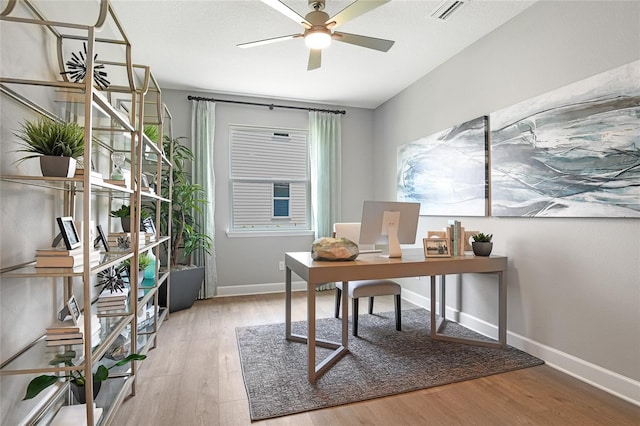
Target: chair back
351,230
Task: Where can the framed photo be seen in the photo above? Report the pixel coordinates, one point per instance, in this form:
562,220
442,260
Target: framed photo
148,226
101,239
69,232
436,247
74,310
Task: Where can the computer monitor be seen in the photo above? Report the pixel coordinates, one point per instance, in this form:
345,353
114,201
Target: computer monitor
389,222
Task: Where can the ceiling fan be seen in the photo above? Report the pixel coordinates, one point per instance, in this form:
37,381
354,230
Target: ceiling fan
319,28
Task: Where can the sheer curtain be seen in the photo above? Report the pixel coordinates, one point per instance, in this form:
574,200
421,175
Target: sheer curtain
203,123
326,173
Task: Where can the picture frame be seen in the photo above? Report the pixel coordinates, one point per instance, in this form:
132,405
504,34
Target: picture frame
102,238
148,226
436,247
74,310
69,232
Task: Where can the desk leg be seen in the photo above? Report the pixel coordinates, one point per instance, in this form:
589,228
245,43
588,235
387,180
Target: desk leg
287,304
437,315
311,332
502,308
502,316
345,313
433,306
443,298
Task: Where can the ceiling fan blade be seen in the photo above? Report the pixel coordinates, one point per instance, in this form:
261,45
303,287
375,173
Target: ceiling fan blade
354,10
288,12
268,41
315,59
364,41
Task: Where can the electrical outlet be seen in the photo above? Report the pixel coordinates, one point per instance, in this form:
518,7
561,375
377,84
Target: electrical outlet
281,265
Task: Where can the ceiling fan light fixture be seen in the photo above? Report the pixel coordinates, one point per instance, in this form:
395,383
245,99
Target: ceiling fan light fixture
317,39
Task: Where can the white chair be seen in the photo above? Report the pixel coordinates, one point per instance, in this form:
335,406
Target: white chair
364,288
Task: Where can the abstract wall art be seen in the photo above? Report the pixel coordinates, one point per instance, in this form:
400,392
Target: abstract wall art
446,172
572,152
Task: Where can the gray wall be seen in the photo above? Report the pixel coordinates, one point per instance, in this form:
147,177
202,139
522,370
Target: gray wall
565,299
264,253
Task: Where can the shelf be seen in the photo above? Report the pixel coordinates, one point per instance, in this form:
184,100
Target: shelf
35,358
30,271
65,184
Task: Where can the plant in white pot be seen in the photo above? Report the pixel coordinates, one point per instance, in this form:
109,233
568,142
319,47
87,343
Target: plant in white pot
124,213
144,261
187,199
482,244
57,144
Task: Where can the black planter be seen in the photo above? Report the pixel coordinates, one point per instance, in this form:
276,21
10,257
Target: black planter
481,248
79,392
185,286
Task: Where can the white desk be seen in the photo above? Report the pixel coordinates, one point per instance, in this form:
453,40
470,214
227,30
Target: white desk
372,266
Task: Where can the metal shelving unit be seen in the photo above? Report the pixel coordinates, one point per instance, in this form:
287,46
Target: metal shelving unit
113,119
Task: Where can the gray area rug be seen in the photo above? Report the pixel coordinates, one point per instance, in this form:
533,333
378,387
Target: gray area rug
380,362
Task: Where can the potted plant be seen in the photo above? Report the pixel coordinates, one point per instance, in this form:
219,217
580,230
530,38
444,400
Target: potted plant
187,199
57,144
124,213
78,380
144,261
482,244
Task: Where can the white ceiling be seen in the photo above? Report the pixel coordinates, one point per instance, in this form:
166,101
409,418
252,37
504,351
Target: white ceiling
191,45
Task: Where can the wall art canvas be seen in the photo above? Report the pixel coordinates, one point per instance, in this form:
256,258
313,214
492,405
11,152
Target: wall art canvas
572,152
446,172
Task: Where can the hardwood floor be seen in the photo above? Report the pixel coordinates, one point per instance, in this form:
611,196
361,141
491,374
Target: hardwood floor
193,378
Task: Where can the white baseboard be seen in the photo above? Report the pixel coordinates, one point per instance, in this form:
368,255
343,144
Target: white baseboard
609,381
251,289
425,302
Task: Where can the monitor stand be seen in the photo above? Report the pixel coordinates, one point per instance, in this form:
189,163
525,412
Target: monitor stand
390,223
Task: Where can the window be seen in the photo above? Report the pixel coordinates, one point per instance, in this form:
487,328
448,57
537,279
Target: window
280,200
269,176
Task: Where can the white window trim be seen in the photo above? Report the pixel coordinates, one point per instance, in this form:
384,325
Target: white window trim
263,233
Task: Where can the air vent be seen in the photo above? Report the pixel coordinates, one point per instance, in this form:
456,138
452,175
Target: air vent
446,9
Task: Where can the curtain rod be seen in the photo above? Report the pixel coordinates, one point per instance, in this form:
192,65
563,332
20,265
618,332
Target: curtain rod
270,106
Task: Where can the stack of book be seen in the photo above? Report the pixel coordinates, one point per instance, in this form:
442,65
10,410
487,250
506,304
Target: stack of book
94,175
117,182
75,415
109,301
67,333
63,258
456,237
113,238
64,334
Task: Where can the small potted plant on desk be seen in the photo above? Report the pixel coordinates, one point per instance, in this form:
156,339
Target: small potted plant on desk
482,244
57,144
78,380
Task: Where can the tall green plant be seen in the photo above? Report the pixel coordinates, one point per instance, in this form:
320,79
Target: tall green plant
187,199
